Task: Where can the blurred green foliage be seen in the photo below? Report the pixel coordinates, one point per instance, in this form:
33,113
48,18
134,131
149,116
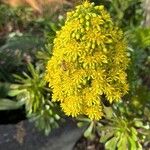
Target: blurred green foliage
22,63
124,12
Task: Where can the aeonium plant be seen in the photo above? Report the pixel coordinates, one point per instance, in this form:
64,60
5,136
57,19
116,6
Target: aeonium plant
88,67
89,62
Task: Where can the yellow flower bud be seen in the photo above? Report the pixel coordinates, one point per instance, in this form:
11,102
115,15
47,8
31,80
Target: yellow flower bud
87,23
86,4
82,30
81,20
73,35
87,17
87,28
77,36
101,7
93,45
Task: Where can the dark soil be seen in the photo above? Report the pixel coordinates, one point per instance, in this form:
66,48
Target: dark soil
12,116
84,144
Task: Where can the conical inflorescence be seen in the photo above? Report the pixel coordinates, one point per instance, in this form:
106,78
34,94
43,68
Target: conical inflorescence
89,62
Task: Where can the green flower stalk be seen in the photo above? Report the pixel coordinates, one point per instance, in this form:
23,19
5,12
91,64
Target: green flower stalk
89,61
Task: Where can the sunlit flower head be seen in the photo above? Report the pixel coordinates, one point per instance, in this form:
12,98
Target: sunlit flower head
89,61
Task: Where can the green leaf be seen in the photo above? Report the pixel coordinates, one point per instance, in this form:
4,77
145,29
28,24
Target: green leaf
88,131
47,130
138,123
139,146
106,136
112,143
6,104
82,124
122,143
15,92
132,143
14,86
108,111
134,133
53,26
84,119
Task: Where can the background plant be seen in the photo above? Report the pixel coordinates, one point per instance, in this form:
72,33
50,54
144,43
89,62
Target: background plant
22,52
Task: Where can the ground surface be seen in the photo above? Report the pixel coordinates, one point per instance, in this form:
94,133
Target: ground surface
24,136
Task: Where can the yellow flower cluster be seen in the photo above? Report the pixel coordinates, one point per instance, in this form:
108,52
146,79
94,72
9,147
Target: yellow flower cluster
89,62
